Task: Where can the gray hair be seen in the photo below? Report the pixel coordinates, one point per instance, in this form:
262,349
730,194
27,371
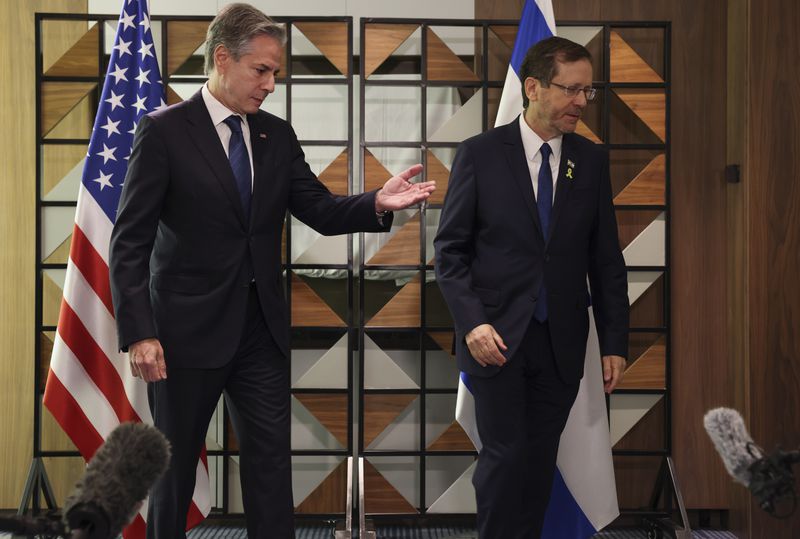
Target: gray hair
233,28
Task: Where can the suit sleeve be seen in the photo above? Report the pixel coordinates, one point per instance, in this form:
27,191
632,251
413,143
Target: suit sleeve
134,233
454,244
608,276
329,214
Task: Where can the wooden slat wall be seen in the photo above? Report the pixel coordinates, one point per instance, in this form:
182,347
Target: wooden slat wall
698,202
772,209
17,257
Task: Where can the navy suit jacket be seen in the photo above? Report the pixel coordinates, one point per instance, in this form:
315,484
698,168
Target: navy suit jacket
182,252
491,256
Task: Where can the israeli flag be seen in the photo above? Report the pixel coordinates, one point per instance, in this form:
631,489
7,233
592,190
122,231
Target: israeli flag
584,496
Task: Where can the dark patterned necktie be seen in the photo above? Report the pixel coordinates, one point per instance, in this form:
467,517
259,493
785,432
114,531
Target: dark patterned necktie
544,203
240,161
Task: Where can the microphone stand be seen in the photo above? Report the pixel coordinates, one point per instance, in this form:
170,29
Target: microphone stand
772,481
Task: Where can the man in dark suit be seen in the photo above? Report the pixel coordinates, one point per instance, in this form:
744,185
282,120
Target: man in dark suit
513,252
196,268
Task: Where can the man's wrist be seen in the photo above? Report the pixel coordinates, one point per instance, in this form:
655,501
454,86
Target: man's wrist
380,210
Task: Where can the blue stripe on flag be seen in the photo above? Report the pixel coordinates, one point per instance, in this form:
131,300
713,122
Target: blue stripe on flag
465,379
564,518
532,29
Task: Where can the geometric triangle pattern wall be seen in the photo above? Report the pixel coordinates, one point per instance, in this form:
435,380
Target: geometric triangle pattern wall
372,339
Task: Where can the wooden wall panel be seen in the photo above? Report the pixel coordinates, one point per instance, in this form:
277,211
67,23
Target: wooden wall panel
736,319
17,257
773,218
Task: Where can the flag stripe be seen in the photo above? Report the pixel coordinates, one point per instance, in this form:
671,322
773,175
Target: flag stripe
83,389
135,529
100,325
92,266
564,518
95,363
68,413
537,23
93,222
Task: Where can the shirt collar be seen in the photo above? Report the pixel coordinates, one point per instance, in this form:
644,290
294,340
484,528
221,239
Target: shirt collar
216,109
533,142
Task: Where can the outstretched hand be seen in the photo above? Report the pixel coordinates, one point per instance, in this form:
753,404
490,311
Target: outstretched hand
399,193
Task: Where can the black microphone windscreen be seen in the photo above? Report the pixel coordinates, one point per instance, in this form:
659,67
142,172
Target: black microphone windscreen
726,429
117,478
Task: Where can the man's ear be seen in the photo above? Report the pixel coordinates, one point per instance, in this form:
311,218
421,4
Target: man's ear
531,85
222,57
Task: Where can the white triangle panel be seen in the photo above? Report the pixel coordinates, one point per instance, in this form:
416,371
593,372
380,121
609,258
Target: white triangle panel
330,371
627,410
308,432
647,249
67,188
403,433
459,497
639,282
309,472
381,371
465,123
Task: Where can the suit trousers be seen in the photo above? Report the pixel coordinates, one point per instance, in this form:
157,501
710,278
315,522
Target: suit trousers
520,414
256,386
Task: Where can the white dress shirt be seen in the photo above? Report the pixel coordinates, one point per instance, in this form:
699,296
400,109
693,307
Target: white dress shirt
532,144
219,113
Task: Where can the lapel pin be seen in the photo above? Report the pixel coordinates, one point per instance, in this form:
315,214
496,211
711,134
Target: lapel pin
570,167
262,135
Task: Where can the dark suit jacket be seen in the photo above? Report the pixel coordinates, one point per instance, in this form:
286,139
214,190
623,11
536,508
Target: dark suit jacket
182,253
491,255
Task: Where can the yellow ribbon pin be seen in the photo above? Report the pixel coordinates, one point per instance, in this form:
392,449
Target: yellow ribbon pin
569,173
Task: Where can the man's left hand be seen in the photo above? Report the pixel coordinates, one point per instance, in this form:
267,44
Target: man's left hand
613,369
399,193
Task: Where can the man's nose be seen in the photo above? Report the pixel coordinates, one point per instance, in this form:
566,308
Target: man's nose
268,84
580,99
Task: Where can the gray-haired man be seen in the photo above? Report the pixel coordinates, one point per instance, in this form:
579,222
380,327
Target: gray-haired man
196,267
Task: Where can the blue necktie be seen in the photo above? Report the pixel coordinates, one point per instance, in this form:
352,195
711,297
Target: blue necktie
240,161
544,203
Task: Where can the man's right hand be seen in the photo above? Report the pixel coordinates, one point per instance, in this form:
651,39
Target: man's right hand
147,360
484,344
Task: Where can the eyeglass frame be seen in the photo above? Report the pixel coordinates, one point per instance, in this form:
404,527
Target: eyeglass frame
588,92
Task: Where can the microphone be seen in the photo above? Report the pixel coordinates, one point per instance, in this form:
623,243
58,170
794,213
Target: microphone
769,478
726,429
116,481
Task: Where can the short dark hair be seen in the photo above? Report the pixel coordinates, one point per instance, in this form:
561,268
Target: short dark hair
234,26
540,61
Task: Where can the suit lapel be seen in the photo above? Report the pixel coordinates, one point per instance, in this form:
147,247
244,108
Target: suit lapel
565,181
260,143
205,137
515,154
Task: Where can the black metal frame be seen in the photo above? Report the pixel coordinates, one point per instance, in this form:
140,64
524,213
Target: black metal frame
37,480
355,333
423,144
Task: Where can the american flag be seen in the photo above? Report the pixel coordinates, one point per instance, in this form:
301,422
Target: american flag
89,388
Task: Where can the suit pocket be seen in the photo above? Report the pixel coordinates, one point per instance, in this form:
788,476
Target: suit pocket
183,284
489,297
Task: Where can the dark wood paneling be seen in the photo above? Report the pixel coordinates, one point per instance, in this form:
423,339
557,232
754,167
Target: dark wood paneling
773,214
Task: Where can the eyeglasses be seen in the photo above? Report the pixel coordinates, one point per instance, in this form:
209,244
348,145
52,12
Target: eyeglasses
572,91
